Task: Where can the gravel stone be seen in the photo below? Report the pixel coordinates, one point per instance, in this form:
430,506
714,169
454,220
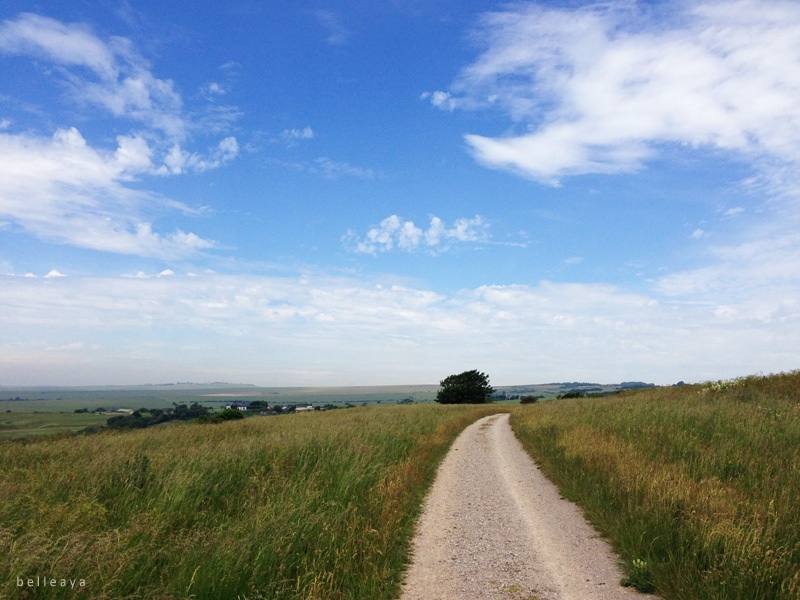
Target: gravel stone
493,527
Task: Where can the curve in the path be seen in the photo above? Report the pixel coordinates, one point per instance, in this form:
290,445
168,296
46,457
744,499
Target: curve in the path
494,527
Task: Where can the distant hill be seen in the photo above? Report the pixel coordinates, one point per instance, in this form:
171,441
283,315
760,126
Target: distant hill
565,387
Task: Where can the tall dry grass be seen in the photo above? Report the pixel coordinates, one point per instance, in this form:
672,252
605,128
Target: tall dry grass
306,506
697,487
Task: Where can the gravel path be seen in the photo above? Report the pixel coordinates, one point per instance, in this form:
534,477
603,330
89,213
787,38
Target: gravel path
494,527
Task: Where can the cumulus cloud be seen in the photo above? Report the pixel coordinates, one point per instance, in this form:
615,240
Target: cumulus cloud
293,136
178,161
298,134
598,89
393,232
443,100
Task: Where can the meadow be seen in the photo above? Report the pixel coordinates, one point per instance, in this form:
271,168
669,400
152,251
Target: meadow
314,505
697,487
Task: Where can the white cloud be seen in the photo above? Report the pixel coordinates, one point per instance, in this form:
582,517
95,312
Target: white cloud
72,45
66,189
112,74
215,89
333,169
342,330
178,161
443,100
734,212
122,83
133,154
598,89
63,190
298,134
764,267
338,34
394,232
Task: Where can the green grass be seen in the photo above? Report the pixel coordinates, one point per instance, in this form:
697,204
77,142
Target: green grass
697,487
25,425
316,505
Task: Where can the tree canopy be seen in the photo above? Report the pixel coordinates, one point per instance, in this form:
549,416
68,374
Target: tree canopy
469,387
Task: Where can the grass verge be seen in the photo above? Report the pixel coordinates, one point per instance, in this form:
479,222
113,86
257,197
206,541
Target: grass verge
695,486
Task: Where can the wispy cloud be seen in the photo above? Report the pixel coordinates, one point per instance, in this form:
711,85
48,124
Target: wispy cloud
121,81
395,233
298,134
338,34
333,169
598,89
61,188
765,267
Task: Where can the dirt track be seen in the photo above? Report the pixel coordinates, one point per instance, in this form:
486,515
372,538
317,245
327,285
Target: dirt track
494,527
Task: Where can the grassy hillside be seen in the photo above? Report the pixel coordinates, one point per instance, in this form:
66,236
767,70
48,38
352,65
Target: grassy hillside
317,505
697,486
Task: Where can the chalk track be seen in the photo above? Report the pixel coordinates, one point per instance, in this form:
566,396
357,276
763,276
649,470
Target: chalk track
493,527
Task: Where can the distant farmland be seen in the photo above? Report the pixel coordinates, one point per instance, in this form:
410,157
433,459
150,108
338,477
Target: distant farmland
30,400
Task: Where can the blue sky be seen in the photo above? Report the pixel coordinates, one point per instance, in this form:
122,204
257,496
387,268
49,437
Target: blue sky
364,193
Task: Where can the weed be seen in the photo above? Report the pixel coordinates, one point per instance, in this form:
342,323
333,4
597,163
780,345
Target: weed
639,576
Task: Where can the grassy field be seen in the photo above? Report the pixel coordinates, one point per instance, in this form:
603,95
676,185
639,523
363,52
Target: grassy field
14,426
698,487
314,505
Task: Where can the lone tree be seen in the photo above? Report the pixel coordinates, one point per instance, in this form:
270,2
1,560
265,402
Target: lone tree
469,387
